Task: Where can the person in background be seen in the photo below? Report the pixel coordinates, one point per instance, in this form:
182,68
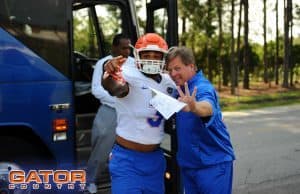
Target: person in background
137,163
205,153
105,122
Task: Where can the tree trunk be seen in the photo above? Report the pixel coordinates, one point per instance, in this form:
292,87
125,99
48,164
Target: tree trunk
220,41
265,44
277,46
286,62
246,45
183,40
239,61
208,43
232,72
291,45
226,72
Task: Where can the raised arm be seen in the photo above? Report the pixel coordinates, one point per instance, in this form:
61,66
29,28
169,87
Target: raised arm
112,79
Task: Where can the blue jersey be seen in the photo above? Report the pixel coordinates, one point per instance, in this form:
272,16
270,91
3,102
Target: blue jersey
202,141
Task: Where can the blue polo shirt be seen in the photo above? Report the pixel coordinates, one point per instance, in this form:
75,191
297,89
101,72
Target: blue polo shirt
202,141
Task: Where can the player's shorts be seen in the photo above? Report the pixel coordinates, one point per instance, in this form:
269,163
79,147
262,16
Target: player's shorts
216,179
135,172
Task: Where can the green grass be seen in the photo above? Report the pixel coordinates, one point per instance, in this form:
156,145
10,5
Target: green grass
266,100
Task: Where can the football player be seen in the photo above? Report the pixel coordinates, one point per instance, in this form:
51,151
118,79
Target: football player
137,164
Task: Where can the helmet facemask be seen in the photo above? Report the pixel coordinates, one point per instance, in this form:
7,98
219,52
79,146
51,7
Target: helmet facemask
149,66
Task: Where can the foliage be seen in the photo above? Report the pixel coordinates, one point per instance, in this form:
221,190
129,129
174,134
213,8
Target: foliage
84,32
201,35
80,32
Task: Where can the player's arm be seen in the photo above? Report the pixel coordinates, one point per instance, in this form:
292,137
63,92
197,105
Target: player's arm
112,79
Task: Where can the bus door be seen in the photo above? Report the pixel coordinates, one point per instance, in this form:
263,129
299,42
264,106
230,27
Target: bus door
94,25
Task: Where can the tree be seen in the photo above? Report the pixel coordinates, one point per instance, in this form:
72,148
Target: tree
239,62
183,14
265,44
296,56
232,50
220,40
277,46
210,30
291,46
287,44
246,45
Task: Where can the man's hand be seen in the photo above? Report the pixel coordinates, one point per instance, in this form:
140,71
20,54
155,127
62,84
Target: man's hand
187,98
114,65
201,108
112,79
113,68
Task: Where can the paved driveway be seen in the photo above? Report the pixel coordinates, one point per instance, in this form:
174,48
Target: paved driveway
267,146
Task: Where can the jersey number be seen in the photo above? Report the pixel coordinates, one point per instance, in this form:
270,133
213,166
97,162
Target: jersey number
155,122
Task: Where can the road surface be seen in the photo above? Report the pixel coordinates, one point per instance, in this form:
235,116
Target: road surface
267,147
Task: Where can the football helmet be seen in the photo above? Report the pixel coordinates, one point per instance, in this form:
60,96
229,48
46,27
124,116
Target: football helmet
150,42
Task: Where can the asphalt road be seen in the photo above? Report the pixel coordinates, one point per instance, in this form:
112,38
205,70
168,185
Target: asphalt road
267,148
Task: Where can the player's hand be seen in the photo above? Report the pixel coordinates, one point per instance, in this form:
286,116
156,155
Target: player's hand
113,65
113,68
117,77
185,97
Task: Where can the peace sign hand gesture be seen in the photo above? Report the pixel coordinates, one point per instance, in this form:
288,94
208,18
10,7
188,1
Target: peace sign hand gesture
185,97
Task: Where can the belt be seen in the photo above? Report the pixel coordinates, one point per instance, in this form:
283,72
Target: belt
135,146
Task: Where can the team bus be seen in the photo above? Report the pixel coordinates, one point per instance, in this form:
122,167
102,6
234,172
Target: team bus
48,50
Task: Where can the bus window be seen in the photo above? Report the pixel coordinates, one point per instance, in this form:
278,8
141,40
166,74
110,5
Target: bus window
44,32
93,35
86,53
85,39
109,21
93,29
